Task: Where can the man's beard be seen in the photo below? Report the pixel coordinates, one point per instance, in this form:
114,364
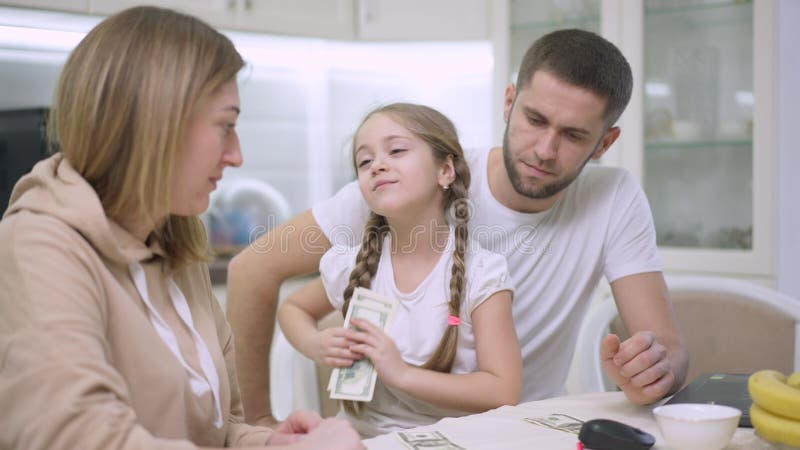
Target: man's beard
538,192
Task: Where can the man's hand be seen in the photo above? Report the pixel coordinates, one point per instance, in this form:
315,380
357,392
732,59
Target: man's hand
640,366
654,361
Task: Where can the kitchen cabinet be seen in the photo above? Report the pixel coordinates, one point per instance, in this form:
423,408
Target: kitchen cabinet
530,20
58,5
698,132
219,13
423,19
370,20
333,19
707,156
312,18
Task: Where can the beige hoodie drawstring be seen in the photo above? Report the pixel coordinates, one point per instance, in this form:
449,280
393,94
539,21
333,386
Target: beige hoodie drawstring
200,385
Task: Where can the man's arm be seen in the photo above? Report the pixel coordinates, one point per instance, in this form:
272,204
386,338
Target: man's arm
653,362
254,279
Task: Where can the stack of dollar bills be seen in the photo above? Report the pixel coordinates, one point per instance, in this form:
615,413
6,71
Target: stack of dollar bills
357,382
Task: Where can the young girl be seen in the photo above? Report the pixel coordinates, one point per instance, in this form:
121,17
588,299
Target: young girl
452,348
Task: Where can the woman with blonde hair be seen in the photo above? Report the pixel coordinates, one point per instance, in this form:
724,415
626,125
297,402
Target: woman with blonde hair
452,348
110,335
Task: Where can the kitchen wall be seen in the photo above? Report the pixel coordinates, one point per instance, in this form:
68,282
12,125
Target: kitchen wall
301,98
299,113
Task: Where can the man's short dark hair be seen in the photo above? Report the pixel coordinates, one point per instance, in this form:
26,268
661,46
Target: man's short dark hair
583,59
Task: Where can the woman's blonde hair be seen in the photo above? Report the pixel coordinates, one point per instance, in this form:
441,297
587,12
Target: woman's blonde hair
440,134
121,109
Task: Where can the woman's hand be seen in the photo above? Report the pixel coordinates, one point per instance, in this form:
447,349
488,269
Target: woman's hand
332,348
380,348
331,434
295,427
306,430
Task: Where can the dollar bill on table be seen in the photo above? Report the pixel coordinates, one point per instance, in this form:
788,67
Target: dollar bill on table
427,440
357,382
561,422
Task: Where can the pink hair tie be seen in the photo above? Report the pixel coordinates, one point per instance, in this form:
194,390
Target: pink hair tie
453,320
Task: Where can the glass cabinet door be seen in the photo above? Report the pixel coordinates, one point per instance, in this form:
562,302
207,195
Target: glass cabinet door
698,132
698,122
532,19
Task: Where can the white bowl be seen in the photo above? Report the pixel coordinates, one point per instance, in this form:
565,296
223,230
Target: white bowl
697,426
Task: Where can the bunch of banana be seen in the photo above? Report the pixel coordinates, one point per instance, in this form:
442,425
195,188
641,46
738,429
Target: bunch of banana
775,412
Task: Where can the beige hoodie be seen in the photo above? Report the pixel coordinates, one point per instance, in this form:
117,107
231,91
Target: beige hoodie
81,364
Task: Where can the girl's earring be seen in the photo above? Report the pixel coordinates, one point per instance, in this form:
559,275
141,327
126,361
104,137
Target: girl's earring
446,187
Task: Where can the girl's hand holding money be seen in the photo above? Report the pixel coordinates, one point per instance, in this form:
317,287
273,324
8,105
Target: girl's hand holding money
380,348
333,348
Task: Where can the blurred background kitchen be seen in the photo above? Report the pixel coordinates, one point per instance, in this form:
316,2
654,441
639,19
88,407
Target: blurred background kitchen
709,131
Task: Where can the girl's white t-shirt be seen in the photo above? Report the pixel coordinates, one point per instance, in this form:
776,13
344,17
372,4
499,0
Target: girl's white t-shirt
419,323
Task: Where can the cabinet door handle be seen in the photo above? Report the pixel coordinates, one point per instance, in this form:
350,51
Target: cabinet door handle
231,4
365,10
248,4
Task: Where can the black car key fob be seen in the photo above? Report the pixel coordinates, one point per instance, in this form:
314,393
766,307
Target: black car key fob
605,434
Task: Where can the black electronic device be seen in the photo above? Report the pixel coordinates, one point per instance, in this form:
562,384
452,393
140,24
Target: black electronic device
22,144
606,434
729,389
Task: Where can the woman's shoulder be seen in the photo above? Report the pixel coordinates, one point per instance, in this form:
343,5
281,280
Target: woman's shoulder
48,265
27,231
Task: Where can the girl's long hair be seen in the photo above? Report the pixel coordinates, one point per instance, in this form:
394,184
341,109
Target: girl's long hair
440,134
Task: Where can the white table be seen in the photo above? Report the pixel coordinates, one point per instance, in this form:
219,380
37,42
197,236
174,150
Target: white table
504,428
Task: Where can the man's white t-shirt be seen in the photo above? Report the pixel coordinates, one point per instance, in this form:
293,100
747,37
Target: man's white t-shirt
419,323
602,225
